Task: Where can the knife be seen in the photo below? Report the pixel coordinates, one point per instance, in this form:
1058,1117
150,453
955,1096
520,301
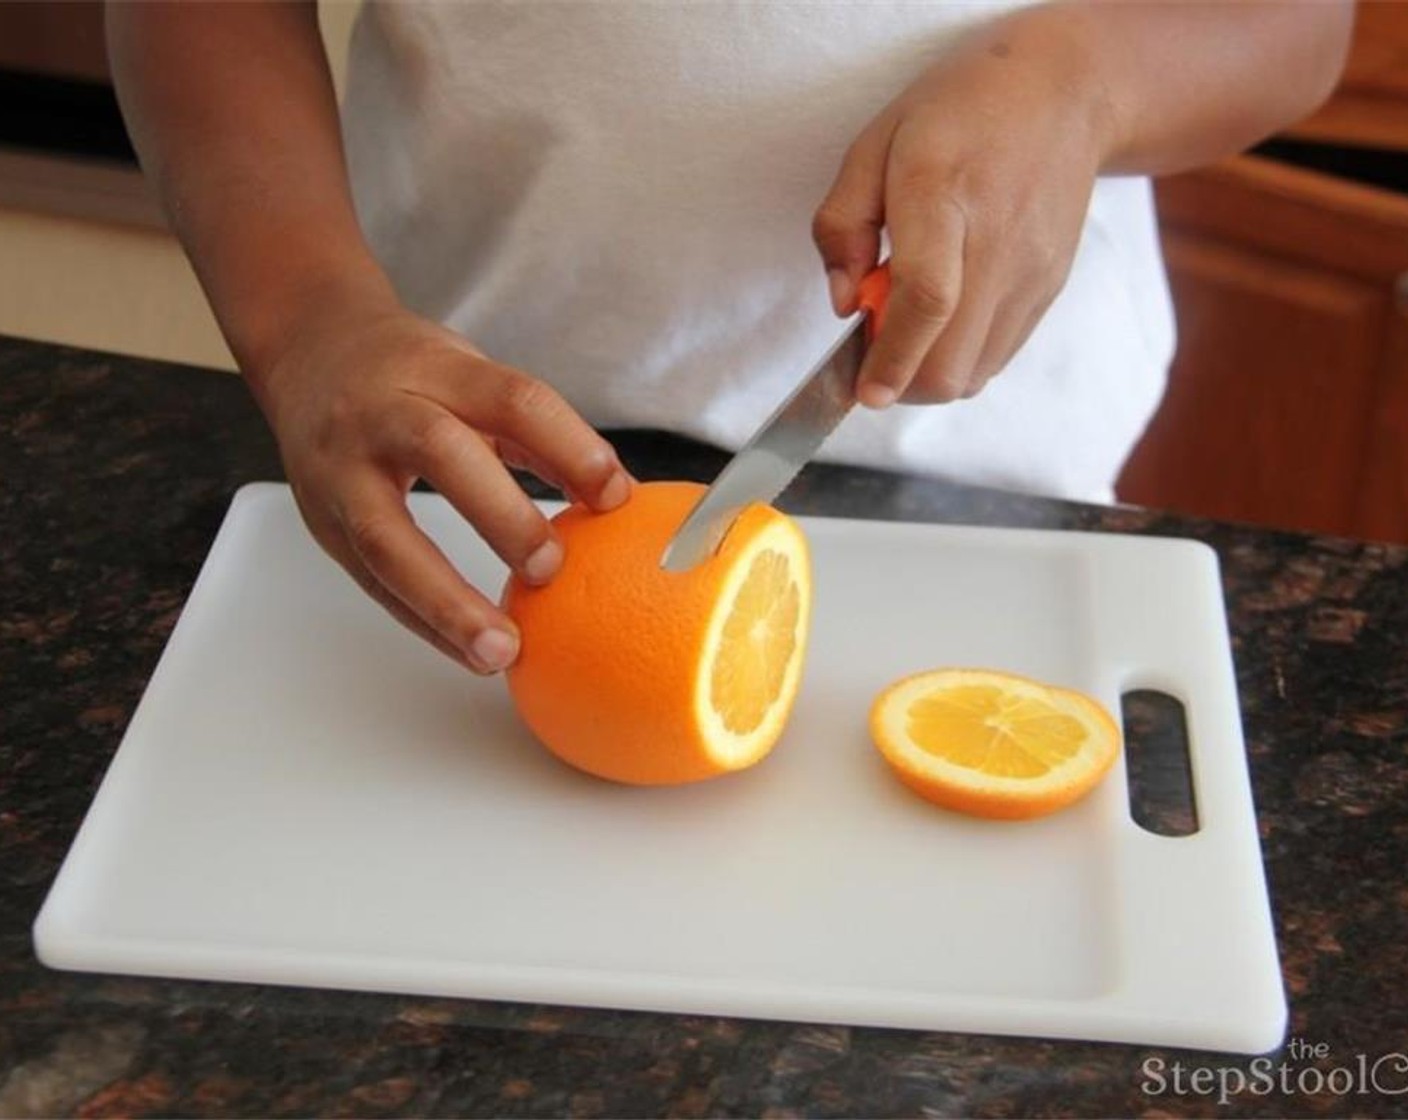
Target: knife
787,440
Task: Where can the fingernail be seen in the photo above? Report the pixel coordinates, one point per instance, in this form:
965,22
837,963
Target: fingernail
542,565
493,650
840,285
876,396
615,492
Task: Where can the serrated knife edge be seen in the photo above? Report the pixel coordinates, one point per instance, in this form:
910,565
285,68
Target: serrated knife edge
775,455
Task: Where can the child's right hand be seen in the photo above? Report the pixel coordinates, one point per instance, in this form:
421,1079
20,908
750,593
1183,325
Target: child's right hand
363,403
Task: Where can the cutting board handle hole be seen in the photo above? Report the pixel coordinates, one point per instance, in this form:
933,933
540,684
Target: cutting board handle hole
1157,765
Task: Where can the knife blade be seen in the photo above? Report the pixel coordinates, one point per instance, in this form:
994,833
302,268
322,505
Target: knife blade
788,439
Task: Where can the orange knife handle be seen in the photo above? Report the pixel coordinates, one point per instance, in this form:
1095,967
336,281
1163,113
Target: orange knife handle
872,295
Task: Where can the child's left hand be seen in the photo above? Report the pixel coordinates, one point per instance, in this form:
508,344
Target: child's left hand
982,172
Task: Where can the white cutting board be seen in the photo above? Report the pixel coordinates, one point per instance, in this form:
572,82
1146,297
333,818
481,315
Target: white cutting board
307,795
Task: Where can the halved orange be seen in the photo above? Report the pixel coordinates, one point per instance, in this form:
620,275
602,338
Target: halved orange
993,744
641,675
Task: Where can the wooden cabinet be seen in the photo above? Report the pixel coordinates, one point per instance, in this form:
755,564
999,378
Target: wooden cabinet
1288,399
59,40
1370,105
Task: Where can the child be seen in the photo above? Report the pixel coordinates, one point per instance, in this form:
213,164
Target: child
566,216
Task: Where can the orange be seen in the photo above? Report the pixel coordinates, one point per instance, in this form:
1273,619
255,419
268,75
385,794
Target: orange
650,677
993,744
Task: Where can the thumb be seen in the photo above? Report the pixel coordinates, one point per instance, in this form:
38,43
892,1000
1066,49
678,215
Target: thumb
847,224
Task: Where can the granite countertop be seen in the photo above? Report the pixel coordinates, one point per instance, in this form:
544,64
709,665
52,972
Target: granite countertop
114,475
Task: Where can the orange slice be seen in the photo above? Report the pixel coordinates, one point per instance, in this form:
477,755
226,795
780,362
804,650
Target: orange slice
650,677
993,744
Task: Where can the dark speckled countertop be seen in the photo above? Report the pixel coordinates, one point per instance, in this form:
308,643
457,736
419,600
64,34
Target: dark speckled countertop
114,475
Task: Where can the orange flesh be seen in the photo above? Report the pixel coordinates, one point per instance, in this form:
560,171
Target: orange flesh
759,637
982,728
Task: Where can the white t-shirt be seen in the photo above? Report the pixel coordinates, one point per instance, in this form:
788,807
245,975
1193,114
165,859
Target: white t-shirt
616,196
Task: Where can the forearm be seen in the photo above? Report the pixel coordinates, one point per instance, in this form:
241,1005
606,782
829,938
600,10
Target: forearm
1174,84
232,112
